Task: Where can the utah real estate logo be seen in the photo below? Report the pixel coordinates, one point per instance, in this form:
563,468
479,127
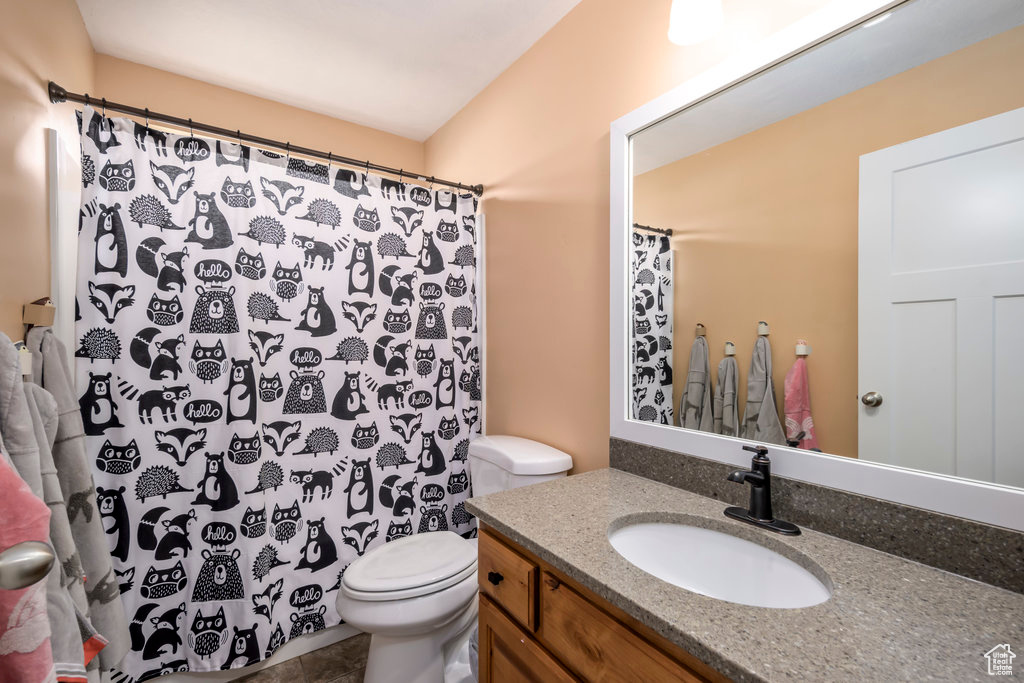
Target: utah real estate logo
1000,660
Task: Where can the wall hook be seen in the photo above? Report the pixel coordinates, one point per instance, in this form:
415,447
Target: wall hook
762,329
802,347
701,330
730,349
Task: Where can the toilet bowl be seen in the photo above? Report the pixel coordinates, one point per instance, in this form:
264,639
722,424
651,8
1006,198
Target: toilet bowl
417,596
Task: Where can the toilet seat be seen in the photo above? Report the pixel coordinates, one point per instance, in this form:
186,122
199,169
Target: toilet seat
413,592
410,567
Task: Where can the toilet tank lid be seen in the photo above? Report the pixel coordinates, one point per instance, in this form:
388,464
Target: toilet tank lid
520,456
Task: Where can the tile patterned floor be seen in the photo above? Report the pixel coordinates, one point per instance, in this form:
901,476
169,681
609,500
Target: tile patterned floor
342,662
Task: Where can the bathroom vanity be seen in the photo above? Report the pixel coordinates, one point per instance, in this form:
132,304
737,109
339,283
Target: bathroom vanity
538,624
559,603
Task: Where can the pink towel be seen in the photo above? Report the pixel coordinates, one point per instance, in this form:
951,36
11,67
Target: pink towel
798,406
24,628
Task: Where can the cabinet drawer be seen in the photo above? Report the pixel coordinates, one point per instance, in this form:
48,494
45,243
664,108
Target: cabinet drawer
509,579
596,646
509,655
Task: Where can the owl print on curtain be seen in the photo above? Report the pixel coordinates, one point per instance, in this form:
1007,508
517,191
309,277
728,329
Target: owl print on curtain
652,328
279,370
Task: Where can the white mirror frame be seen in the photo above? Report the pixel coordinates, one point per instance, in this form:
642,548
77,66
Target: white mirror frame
989,503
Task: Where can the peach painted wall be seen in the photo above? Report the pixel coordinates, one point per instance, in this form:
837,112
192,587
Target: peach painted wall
143,86
39,41
787,252
537,137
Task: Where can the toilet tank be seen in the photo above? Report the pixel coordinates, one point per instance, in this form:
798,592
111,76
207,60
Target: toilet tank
500,463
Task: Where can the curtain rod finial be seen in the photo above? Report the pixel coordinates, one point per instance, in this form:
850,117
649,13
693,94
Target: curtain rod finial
57,93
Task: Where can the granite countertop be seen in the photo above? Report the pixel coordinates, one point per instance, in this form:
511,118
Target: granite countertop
888,618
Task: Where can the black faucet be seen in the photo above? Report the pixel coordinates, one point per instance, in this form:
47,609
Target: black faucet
759,476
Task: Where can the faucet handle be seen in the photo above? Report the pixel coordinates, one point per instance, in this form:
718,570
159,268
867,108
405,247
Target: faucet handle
759,451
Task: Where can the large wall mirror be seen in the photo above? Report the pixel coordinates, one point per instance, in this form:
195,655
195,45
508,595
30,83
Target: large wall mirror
820,247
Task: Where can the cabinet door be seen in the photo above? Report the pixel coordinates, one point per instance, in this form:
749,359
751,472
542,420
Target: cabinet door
595,645
509,579
509,655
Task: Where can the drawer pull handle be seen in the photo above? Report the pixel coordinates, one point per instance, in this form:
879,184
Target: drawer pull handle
495,577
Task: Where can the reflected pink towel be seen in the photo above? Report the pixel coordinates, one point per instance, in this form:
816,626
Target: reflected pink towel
25,655
798,406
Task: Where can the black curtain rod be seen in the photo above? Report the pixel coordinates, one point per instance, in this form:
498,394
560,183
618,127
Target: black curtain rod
663,231
59,94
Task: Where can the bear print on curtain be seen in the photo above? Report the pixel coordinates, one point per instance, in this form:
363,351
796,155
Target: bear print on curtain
279,369
652,328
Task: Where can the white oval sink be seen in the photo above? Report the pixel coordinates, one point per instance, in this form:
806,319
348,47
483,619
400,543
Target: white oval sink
718,565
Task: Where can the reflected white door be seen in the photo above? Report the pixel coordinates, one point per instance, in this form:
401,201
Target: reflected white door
941,302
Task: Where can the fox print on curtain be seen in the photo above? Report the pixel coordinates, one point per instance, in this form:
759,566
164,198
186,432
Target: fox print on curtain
278,368
652,328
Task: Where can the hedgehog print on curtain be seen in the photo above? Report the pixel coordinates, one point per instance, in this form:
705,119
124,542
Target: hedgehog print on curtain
652,327
279,370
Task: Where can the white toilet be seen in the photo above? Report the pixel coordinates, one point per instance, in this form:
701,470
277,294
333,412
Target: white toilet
417,596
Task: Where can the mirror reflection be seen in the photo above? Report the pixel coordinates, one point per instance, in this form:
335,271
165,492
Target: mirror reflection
830,255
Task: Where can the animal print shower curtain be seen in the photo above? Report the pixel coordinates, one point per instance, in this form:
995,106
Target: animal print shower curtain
652,327
279,369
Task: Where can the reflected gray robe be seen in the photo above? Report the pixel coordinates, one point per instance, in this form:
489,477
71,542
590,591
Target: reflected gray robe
695,404
760,416
725,406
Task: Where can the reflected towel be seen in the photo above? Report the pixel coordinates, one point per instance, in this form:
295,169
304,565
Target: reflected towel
797,406
760,416
695,404
726,409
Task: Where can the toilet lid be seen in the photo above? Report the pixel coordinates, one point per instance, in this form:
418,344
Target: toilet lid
411,562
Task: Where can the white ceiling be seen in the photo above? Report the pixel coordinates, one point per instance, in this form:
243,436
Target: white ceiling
403,66
916,33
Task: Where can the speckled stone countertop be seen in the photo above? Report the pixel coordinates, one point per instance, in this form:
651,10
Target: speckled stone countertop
888,619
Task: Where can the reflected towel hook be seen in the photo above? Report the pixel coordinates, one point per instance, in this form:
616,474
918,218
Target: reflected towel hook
762,329
701,330
730,349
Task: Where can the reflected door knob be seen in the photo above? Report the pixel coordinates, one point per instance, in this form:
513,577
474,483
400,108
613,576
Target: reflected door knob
872,399
24,564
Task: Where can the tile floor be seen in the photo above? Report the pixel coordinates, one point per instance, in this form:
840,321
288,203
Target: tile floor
342,662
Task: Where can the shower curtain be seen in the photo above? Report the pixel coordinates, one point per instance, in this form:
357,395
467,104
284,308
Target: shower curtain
652,328
279,369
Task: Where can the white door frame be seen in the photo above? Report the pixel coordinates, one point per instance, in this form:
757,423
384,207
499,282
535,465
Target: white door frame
989,503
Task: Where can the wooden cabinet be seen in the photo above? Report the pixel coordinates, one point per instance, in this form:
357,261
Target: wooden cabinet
509,654
541,626
510,579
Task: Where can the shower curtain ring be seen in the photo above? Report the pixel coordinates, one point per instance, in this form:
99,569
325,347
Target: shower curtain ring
367,171
88,101
147,118
104,107
238,134
328,164
288,151
431,183
190,133
401,174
